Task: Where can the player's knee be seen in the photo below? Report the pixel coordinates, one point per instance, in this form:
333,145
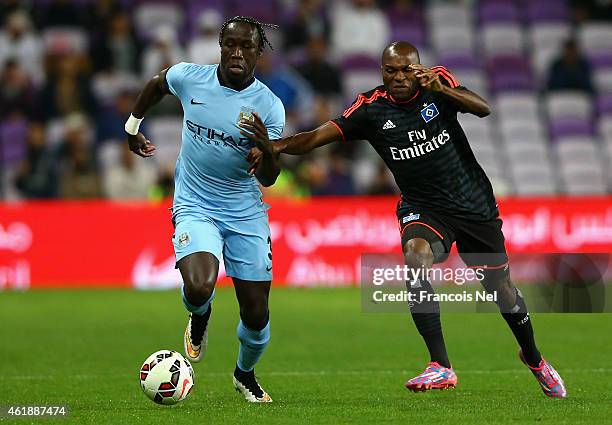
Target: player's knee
200,288
255,316
497,282
418,253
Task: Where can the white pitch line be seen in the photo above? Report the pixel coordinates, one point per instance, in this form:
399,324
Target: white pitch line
313,373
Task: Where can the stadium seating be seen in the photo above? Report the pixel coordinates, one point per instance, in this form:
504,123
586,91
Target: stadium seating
150,15
581,166
535,142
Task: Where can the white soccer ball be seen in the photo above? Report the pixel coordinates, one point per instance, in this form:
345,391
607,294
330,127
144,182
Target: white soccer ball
166,377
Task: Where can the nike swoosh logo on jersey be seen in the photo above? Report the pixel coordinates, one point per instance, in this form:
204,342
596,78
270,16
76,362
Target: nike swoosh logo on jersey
193,102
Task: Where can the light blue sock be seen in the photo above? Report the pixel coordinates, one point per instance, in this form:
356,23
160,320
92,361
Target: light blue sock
200,309
252,345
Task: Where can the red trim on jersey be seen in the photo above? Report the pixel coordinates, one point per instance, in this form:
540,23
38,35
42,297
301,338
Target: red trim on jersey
447,75
422,224
361,99
339,129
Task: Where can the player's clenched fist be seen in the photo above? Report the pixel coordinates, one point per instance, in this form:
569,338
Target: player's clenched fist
426,77
140,145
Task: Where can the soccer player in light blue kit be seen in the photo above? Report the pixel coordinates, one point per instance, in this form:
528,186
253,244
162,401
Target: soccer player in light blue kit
218,210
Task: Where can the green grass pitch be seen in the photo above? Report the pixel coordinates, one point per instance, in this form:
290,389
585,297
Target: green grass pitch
327,362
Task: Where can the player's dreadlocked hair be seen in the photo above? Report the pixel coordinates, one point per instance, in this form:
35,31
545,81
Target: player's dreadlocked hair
263,40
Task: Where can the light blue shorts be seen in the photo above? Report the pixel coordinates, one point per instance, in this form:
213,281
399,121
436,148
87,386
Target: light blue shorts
244,245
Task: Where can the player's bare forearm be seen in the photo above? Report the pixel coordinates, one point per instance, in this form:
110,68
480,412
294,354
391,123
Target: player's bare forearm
302,143
152,93
468,101
269,169
155,89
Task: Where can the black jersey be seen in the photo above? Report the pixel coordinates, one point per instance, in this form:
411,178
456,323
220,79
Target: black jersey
425,147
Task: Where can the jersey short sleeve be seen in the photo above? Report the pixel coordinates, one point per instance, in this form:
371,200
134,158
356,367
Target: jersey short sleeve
353,123
448,79
275,121
175,77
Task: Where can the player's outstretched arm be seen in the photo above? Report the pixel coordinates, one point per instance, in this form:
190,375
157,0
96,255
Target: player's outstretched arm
155,89
302,143
466,100
298,144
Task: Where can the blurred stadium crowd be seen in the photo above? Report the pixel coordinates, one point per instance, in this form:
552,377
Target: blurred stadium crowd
71,70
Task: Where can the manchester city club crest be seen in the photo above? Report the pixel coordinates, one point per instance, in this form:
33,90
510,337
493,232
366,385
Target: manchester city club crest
246,112
429,112
183,240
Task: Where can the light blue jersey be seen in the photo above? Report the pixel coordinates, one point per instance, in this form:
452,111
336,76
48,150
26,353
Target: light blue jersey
218,207
212,170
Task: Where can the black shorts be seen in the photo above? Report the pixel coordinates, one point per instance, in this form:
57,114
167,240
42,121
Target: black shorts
479,243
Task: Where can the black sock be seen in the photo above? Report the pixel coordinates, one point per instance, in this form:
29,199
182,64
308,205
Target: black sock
520,324
198,325
514,310
428,325
426,316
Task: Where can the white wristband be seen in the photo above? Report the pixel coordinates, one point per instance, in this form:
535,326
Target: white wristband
132,125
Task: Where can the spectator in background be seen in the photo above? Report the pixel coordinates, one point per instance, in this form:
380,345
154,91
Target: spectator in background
570,71
37,176
591,10
310,21
322,111
116,56
288,85
99,15
79,178
314,173
129,178
359,28
17,95
9,6
382,184
77,133
111,125
118,48
324,78
339,180
163,52
329,176
19,43
204,48
68,88
59,13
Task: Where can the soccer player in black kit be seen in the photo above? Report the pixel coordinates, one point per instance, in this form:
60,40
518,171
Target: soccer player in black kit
411,121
